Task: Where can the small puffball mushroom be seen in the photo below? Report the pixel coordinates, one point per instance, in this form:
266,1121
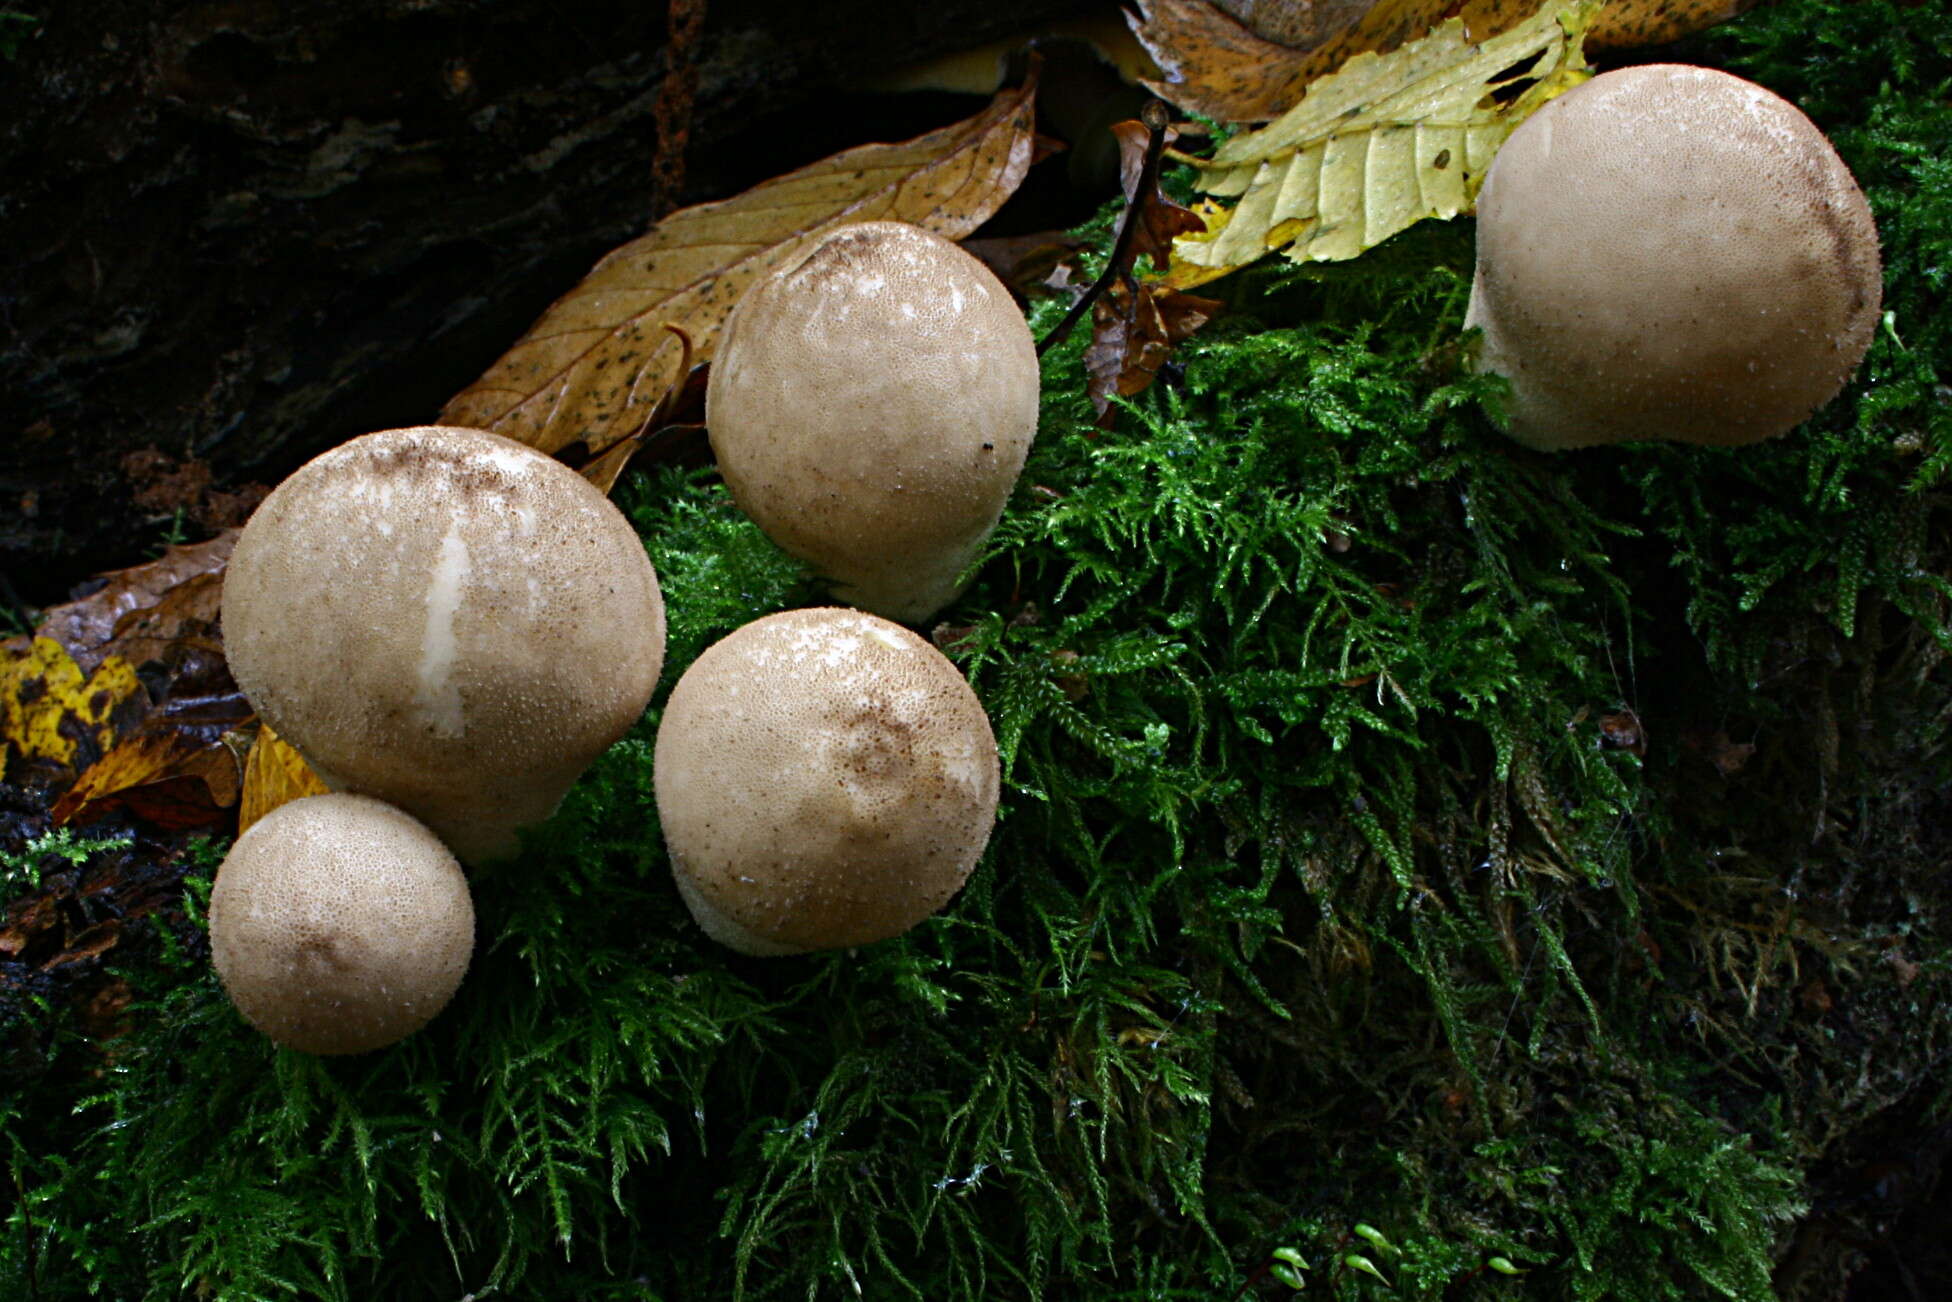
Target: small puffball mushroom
825,778
447,620
871,405
1670,252
338,924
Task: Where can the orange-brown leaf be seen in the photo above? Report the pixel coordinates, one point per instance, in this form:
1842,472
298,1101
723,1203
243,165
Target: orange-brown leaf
592,368
167,778
1217,66
274,775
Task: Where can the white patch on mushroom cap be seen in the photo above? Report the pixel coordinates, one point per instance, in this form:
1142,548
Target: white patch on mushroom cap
439,694
447,620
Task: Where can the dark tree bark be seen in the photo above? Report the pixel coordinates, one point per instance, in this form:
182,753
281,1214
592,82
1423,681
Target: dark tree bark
242,231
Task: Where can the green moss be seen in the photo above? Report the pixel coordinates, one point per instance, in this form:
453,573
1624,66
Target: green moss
1322,895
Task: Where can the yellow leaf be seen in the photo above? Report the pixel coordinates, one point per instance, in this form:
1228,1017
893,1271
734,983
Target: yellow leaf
599,359
48,707
1380,145
274,774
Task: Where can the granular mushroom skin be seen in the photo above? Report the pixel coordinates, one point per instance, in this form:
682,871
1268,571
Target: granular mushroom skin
1671,252
871,406
447,620
825,778
339,925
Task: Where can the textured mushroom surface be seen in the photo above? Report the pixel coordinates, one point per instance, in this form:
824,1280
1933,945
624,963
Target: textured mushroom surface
447,620
871,405
825,778
1671,252
338,924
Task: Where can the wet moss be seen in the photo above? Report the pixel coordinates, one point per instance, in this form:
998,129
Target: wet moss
1482,874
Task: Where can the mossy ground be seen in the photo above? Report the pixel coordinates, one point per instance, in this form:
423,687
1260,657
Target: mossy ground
1333,887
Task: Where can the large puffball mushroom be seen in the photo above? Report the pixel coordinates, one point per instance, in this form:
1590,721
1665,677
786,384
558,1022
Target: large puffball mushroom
338,924
447,620
825,778
1670,252
870,406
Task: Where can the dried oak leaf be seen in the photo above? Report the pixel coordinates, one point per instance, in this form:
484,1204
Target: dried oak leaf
274,774
1231,70
599,359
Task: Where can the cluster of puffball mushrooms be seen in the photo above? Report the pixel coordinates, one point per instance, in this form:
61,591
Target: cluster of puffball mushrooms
450,626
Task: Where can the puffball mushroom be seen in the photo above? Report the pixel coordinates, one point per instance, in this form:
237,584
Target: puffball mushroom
1671,252
338,924
447,620
825,778
870,406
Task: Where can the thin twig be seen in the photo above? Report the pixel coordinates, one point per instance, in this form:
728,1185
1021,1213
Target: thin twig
1157,118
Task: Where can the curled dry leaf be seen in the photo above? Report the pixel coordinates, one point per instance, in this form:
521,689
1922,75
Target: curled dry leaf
1135,328
274,774
1247,71
684,400
1380,145
599,359
1160,220
1136,325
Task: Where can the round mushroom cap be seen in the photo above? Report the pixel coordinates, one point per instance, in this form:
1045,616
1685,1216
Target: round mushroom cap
448,620
871,405
338,924
825,778
1671,252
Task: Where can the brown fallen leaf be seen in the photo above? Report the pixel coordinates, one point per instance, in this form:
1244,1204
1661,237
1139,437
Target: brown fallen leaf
146,604
1135,324
1216,65
684,400
600,359
1026,263
275,774
1135,328
1159,218
92,942
1297,24
168,778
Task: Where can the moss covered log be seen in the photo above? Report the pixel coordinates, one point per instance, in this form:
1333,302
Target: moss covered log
1467,872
